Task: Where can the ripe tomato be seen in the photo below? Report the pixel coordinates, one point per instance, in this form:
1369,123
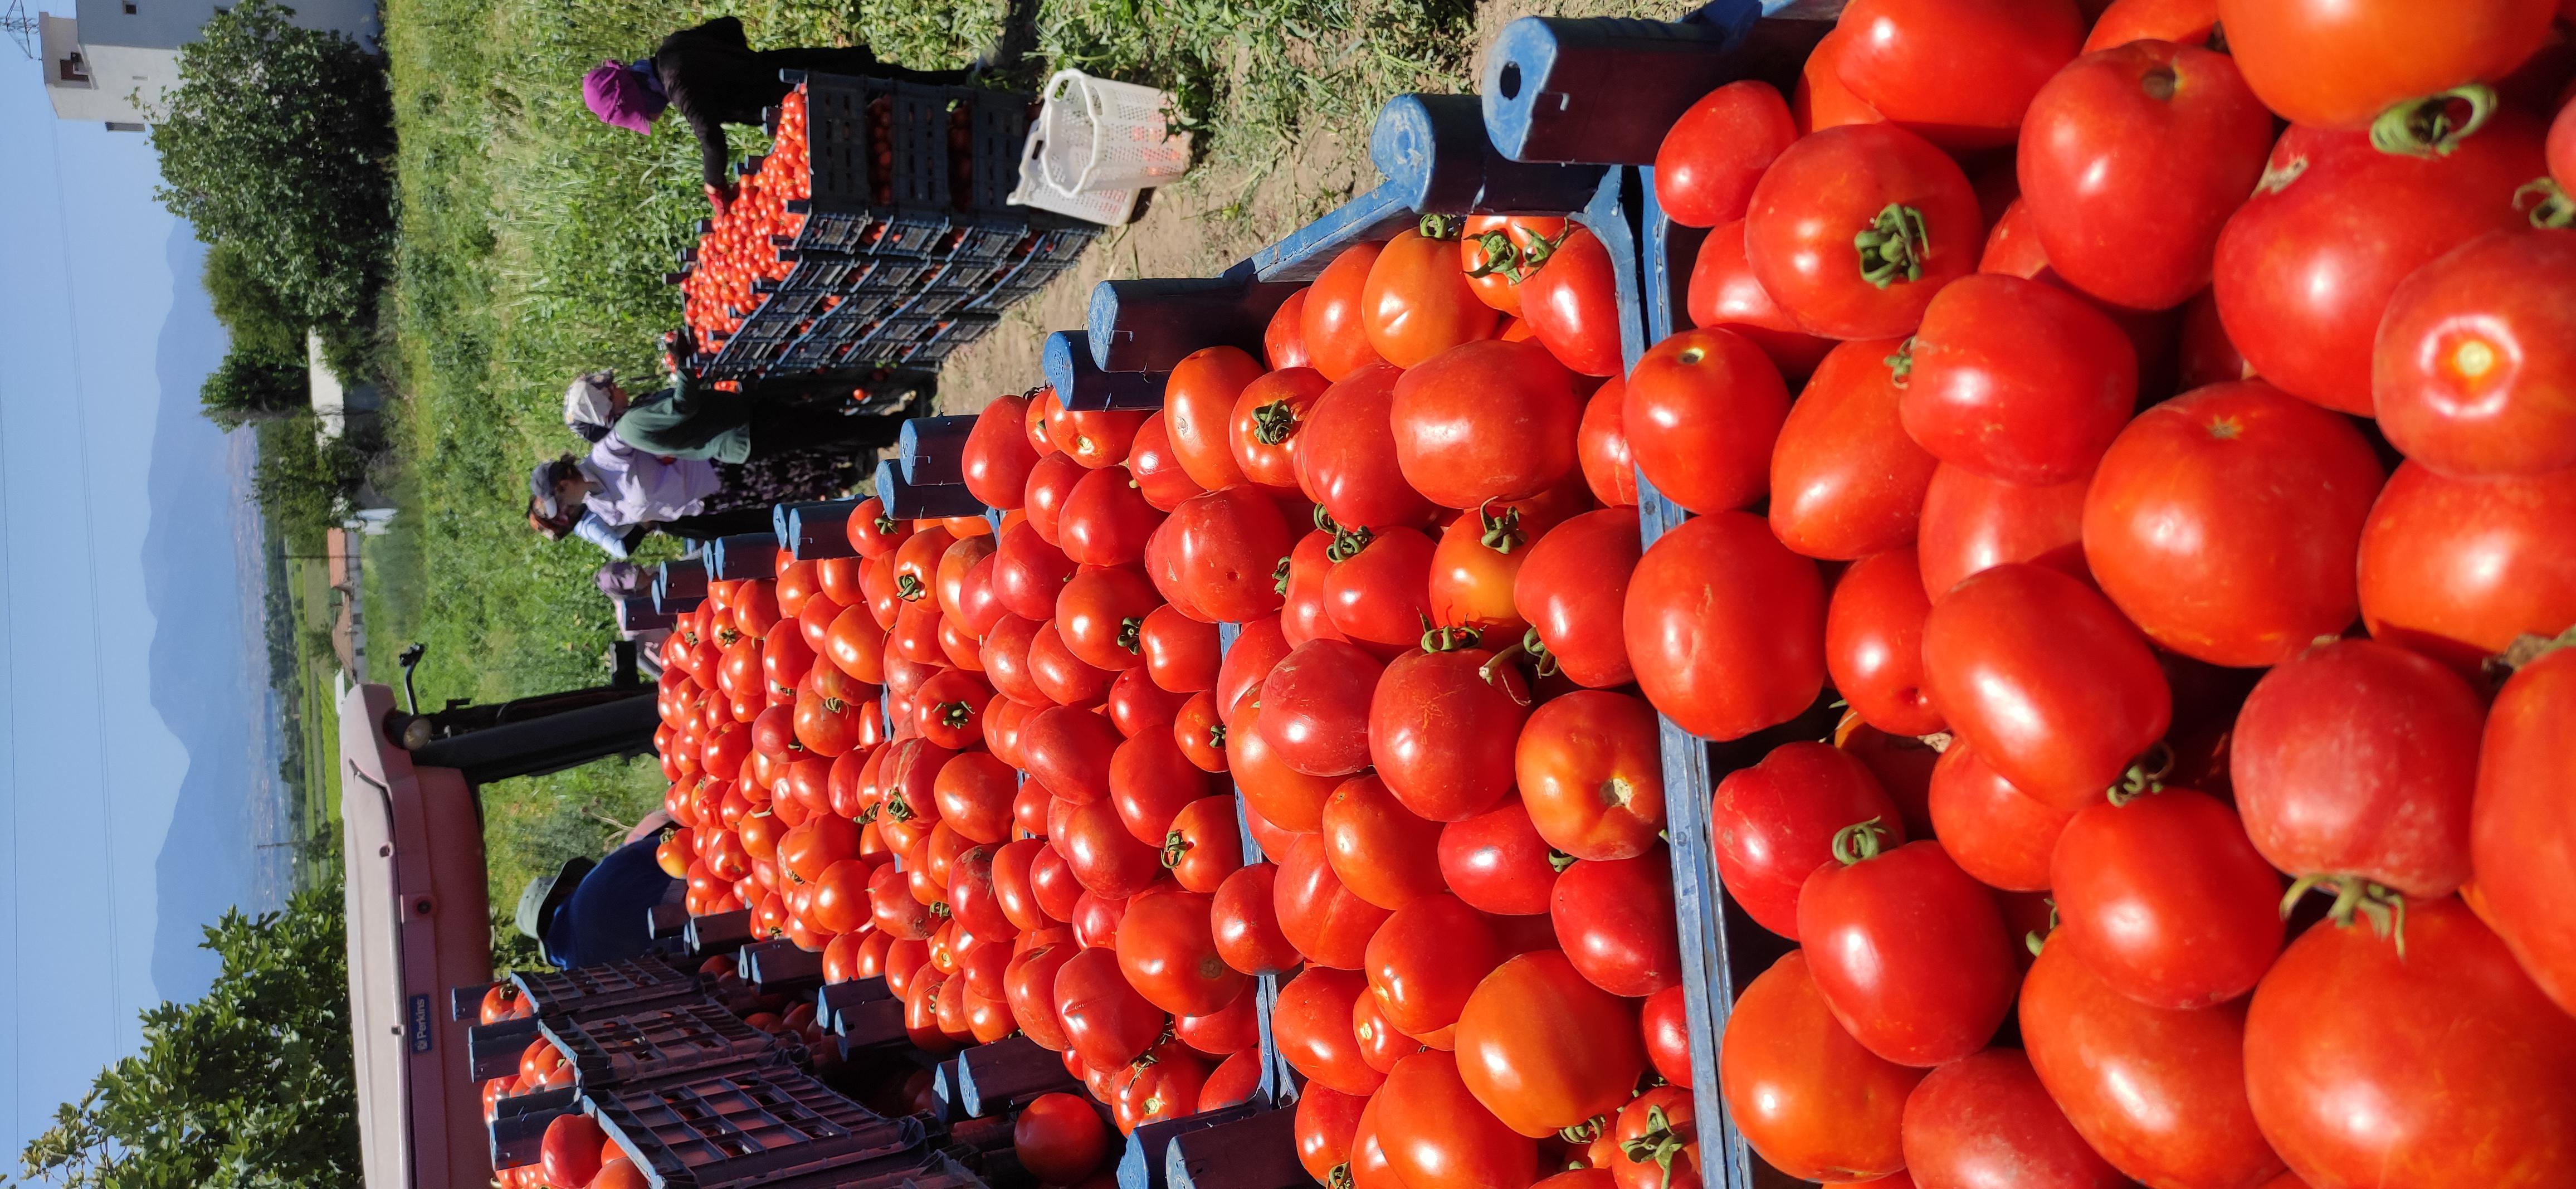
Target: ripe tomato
2473,372
2160,1093
2224,522
1157,468
1874,643
2519,833
1167,950
1972,523
1724,295
1105,520
1416,303
1707,406
997,458
1656,1139
1246,923
1327,1121
2468,1069
2017,380
2457,568
1198,412
1069,750
1497,863
1571,589
1312,1023
1855,228
1346,455
1425,960
1378,849
1543,1049
1105,1020
1283,339
1434,725
1485,421
2359,759
1821,100
2156,140
1845,479
1269,415
569,1153
1910,952
1149,781
1204,845
1726,626
2306,267
1381,1045
1314,707
1049,483
1095,438
1986,1120
1305,615
1614,920
1181,653
1997,835
1601,446
1665,1021
2340,65
1323,919
1379,596
1277,792
1028,571
1058,1138
1497,253
1715,152
1960,72
1478,560
1807,1096
2166,900
1435,1132
2051,686
1105,856
1572,305
1590,773
1334,323
2183,22
1214,556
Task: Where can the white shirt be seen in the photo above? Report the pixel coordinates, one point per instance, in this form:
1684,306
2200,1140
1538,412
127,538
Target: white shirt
630,487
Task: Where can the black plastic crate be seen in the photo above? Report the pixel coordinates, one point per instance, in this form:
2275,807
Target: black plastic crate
818,270
845,114
958,279
998,132
960,329
663,1041
992,238
876,231
751,1127
646,980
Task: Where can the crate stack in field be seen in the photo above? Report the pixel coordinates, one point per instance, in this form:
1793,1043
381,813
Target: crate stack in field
873,239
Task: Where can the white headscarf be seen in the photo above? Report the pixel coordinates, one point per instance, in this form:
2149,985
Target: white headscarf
590,404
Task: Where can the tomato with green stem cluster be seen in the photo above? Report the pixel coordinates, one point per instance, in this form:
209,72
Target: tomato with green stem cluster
1497,254
1416,303
1572,305
1908,950
2340,65
1855,228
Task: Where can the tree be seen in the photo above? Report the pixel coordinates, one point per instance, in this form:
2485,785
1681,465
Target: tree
251,1085
248,387
255,318
277,143
302,481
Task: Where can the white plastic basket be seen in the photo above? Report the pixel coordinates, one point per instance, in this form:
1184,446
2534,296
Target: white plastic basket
1107,135
1109,208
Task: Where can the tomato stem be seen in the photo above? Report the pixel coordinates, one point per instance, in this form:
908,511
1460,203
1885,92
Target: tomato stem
1858,842
885,522
908,588
2382,906
1542,662
2553,211
2037,939
1502,533
2146,774
1449,637
1893,246
1174,846
1279,577
2525,649
1131,635
1274,423
1216,736
1445,227
954,714
2423,128
1900,366
1347,543
1657,1144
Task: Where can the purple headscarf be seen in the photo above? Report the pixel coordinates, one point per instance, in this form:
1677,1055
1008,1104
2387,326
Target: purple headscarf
621,96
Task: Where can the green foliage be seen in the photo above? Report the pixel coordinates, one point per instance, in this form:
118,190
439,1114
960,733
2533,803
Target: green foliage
302,482
260,323
249,1086
276,143
248,386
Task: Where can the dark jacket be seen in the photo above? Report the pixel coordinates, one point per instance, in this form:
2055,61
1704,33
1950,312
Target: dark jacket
713,77
685,421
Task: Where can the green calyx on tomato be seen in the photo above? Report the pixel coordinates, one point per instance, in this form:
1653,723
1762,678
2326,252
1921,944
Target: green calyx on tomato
2553,210
885,523
1347,543
1130,637
1656,1145
2146,774
1174,847
1279,577
2526,648
1893,246
1858,842
2037,939
2383,907
1558,860
951,714
1441,227
1900,366
1542,662
1511,262
1502,533
1274,423
1586,1131
2425,127
908,588
939,909
1448,638
896,809
1216,736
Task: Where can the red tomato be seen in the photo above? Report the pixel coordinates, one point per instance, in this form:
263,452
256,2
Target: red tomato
1497,863
1475,566
1278,793
1498,252
1167,950
1590,773
2458,568
1346,455
1058,1138
1614,919
1972,523
1205,844
2358,759
1726,626
1334,322
1874,643
1821,100
1095,438
1157,467
2051,686
1104,855
2159,1093
1379,596
1715,152
1485,421
1424,962
2474,371
2306,267
2133,159
2520,832
1845,479
1149,782
1909,951
1572,305
1601,446
1198,412
1912,211
1707,405
1986,1120
1381,1045
1247,925
1069,750
1998,836
1960,72
1435,1132
2183,22
1181,653
1434,721
2017,380
2340,65
1724,295
1213,558
2467,1069
1050,481
1313,707
2224,522
1305,615
1416,303
1313,1025
569,1153
1665,1021
1283,340
1269,415
2166,900
998,457
1327,1121
1544,1049
1808,1097
1378,849
1657,1138
1105,1020
1571,589
1319,916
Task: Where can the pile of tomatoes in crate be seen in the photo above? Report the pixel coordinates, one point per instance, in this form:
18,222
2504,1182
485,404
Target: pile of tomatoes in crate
737,251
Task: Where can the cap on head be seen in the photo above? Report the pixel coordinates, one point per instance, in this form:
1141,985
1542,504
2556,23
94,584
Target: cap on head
546,893
620,98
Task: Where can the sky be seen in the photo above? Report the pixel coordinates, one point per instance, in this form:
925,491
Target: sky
138,755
